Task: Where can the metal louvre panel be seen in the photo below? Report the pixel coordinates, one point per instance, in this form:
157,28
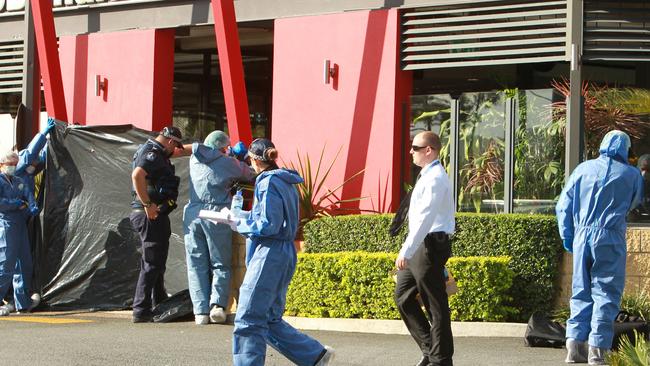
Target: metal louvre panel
11,66
484,33
617,30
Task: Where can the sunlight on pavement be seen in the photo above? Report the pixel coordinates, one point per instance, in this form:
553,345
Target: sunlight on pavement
45,320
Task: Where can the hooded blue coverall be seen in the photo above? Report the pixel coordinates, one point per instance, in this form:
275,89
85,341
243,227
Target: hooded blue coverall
208,245
270,229
15,256
34,155
591,218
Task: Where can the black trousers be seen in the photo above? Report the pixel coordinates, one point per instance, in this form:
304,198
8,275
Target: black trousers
424,275
154,236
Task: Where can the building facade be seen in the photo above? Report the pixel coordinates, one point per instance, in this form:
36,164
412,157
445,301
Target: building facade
356,80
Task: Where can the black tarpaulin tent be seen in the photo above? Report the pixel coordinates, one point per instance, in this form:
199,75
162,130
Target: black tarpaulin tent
90,255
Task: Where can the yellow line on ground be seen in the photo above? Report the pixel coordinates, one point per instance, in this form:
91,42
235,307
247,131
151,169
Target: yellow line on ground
41,319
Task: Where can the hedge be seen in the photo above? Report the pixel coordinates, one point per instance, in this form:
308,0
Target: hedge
532,241
361,285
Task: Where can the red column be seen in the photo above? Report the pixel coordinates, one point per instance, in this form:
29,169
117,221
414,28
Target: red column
232,71
36,98
48,55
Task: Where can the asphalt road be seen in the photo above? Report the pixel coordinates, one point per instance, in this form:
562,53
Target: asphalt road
110,340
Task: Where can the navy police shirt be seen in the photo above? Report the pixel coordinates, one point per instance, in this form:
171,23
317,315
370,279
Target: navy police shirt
151,157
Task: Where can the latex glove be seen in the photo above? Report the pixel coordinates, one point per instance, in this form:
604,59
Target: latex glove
240,151
33,210
233,224
50,125
568,245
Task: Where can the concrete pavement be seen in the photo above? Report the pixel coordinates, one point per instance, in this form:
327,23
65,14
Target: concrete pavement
111,339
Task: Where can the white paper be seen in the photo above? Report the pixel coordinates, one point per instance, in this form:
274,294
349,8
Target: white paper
220,217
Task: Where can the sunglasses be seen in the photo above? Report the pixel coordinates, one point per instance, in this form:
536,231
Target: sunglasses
417,148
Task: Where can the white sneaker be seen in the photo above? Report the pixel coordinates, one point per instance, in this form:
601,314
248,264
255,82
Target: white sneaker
597,355
9,306
36,300
4,311
201,319
217,315
576,351
327,357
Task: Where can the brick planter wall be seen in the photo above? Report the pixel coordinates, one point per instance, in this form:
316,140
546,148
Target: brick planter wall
238,270
637,276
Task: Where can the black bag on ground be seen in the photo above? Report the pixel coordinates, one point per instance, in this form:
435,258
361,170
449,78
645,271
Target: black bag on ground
542,332
176,307
626,324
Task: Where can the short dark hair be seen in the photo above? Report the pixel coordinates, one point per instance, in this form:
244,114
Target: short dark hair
431,139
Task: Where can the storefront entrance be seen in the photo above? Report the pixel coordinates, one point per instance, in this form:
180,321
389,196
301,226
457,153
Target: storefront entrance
198,95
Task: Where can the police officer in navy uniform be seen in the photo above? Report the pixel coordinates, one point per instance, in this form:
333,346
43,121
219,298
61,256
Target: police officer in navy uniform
155,190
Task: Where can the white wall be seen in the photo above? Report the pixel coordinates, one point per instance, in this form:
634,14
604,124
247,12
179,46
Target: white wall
8,130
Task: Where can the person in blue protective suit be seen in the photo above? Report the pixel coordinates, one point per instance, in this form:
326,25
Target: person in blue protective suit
16,204
270,229
31,161
208,245
591,215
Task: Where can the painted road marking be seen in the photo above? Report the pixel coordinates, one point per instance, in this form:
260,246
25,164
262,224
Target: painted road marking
42,319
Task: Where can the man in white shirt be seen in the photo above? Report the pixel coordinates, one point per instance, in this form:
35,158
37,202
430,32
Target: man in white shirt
423,256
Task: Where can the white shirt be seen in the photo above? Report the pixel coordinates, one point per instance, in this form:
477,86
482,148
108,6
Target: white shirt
431,208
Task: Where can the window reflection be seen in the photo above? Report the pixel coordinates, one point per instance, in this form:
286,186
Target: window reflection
481,152
538,153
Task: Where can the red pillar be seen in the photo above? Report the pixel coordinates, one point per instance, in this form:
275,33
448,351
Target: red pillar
48,55
36,98
232,71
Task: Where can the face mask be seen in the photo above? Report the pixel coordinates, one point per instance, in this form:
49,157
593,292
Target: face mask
30,169
9,169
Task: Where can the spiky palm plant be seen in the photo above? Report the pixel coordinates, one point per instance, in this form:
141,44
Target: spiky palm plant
631,354
602,113
316,200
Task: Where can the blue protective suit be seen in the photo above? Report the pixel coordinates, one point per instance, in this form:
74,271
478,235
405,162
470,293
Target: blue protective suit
271,228
35,154
591,215
208,245
15,256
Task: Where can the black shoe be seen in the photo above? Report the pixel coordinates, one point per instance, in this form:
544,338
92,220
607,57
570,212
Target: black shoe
142,319
424,361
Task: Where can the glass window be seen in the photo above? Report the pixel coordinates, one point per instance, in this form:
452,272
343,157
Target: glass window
431,113
481,148
538,152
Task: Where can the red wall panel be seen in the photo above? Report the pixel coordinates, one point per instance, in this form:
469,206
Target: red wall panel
138,69
360,112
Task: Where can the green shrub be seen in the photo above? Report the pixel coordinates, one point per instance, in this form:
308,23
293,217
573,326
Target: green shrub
637,304
483,287
532,241
350,233
361,285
